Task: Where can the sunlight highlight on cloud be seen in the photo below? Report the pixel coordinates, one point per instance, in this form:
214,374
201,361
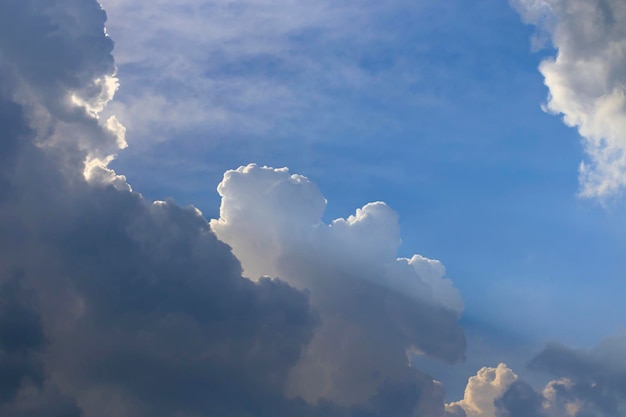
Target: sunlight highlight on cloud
587,81
372,304
267,213
482,391
588,383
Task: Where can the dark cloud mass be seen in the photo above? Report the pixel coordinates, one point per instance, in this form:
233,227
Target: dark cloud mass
108,302
114,306
590,383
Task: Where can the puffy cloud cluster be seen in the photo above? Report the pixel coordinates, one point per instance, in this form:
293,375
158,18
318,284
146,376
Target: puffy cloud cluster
114,306
375,309
588,383
587,81
482,391
268,214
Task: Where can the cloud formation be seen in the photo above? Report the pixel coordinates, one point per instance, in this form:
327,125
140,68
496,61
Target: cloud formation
110,305
586,81
113,305
375,309
587,383
482,391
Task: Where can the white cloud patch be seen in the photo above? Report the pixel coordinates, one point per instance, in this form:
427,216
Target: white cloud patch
268,213
375,308
481,392
587,81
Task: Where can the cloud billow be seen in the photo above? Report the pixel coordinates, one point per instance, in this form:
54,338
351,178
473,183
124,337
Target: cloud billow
375,309
587,383
586,81
113,305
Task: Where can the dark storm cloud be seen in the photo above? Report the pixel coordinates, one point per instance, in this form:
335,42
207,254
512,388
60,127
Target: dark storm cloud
22,370
520,400
55,46
135,301
167,317
21,338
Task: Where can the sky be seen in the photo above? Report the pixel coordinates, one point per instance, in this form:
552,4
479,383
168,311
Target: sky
312,208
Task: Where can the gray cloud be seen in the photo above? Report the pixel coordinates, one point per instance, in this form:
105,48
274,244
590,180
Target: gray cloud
589,383
21,338
586,81
112,305
520,400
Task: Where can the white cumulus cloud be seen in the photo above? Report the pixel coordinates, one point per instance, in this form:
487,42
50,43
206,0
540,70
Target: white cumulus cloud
375,309
481,392
587,81
268,213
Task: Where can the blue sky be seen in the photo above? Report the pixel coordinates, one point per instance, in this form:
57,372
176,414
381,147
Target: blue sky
432,107
434,189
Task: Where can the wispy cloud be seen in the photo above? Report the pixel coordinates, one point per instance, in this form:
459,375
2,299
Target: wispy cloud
248,68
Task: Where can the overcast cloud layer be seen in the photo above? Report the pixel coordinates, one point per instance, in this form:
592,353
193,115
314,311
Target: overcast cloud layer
587,80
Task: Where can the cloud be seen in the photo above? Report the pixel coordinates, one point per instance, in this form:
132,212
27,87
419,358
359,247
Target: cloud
591,382
268,213
586,81
481,392
113,305
375,308
588,383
